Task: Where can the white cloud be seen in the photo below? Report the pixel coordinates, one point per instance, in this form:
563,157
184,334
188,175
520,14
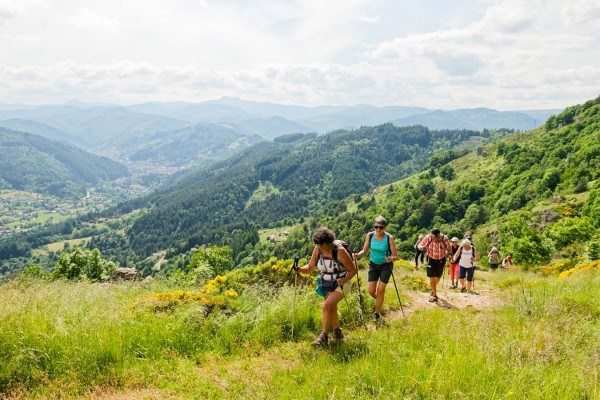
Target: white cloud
505,54
89,20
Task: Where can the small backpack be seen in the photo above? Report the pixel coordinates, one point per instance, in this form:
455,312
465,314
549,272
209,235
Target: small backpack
336,244
329,285
494,257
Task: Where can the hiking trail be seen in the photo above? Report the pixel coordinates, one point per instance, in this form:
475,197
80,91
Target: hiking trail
486,297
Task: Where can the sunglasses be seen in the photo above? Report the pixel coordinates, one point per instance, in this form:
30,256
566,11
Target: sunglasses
378,227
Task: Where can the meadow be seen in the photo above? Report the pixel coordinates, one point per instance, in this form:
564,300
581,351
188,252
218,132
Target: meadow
158,340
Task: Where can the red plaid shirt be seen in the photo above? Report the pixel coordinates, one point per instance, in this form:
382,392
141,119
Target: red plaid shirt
435,250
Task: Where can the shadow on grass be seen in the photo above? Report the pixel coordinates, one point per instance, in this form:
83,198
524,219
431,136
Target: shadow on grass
348,350
340,352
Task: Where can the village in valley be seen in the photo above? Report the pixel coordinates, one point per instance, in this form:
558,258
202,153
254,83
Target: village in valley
21,211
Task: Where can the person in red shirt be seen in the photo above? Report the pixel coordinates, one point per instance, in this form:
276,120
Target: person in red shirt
438,248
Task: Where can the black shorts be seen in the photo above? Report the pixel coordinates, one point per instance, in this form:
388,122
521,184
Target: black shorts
435,268
466,272
493,266
380,272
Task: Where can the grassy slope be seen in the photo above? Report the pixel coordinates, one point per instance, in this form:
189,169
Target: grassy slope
120,341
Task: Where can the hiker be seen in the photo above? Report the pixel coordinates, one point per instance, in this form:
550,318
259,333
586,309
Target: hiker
383,253
453,265
466,256
335,280
438,247
419,253
494,259
507,261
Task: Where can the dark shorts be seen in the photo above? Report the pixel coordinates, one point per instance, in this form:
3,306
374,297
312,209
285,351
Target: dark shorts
468,272
435,268
493,266
379,272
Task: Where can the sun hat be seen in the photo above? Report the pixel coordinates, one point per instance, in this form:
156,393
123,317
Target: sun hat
466,242
454,239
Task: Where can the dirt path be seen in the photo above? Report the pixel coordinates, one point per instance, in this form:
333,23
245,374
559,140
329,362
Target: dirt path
486,296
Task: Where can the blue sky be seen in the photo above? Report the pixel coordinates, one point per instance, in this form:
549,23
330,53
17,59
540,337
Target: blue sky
502,54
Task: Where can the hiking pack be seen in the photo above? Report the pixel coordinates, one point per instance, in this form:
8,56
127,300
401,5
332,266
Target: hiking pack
327,281
494,257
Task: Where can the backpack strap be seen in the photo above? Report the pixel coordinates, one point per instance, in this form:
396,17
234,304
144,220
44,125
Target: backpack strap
388,252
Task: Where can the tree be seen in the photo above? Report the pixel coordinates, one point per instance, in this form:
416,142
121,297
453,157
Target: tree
83,263
520,238
570,230
218,259
447,172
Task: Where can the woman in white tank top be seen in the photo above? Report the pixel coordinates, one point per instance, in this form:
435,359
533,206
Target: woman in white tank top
466,256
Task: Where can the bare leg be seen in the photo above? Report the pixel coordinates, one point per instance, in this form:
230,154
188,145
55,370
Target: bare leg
380,297
330,312
433,281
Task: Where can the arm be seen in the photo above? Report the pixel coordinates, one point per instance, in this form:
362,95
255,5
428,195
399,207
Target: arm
364,250
393,250
346,260
458,251
422,245
475,255
312,263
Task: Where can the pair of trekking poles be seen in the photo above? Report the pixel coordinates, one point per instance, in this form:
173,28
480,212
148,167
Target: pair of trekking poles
360,298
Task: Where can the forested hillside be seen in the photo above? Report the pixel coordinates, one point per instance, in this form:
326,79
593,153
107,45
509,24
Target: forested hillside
199,144
269,184
33,163
533,194
301,172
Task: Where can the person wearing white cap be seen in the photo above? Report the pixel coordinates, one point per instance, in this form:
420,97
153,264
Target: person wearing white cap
494,259
466,256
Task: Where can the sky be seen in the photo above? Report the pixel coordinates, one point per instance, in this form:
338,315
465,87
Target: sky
501,54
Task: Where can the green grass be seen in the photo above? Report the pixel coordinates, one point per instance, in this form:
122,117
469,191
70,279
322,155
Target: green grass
42,218
261,193
73,340
58,246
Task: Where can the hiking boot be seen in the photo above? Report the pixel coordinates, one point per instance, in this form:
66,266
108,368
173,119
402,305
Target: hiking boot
321,340
433,298
463,289
338,335
376,317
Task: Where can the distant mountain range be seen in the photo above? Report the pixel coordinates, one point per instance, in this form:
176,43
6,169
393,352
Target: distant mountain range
200,133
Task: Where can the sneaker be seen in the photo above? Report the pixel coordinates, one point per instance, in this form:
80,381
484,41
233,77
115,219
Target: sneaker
321,340
338,335
376,317
432,298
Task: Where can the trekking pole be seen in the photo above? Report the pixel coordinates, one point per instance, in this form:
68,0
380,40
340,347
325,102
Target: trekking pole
397,294
295,268
444,273
360,298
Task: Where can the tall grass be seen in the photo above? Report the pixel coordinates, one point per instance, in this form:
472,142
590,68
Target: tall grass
67,340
